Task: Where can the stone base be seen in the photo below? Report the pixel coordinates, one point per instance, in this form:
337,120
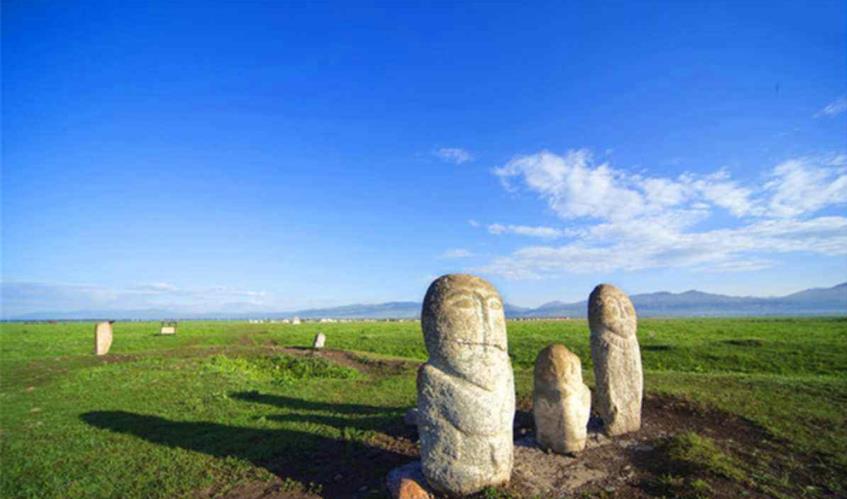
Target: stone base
536,472
408,482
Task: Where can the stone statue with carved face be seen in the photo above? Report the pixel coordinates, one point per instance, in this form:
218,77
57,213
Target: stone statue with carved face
466,390
561,403
617,359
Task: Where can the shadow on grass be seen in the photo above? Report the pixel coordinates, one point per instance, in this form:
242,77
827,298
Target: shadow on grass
311,405
656,348
340,467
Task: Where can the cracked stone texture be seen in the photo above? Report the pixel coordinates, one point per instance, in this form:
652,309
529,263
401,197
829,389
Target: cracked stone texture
102,338
466,390
619,381
561,402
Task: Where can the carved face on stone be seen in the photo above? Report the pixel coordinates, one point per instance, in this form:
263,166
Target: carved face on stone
556,366
610,309
465,328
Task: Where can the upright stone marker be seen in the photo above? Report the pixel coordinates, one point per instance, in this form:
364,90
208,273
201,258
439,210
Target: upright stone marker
320,340
102,337
466,390
617,359
561,403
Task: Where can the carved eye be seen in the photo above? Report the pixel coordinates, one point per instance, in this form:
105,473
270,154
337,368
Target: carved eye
463,303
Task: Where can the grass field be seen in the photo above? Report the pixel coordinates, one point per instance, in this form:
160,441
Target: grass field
225,406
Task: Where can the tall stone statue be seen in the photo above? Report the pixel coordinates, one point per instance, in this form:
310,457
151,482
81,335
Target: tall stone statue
561,403
617,359
466,390
102,337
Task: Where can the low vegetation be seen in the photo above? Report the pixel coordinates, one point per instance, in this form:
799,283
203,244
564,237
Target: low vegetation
226,405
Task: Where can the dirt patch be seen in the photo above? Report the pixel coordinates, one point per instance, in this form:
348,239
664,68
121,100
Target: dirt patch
638,465
625,466
271,489
355,361
635,465
117,358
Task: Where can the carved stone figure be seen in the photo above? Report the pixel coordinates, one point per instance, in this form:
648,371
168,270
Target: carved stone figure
617,359
320,340
466,390
102,338
561,402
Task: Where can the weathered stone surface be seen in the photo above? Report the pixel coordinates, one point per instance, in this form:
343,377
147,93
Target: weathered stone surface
102,338
561,402
408,482
617,359
320,340
466,390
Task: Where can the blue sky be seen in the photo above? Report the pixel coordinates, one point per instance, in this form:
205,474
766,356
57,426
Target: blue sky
276,155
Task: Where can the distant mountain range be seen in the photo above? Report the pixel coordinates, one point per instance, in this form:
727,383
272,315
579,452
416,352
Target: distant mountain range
816,301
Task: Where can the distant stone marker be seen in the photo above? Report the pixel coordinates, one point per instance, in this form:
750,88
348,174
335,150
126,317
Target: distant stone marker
466,390
168,327
561,403
102,337
320,340
617,359
295,321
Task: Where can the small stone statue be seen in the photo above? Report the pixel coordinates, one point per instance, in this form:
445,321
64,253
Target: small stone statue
320,340
466,390
561,402
102,337
617,359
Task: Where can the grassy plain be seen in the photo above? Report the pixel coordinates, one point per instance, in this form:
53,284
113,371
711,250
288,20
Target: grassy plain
222,404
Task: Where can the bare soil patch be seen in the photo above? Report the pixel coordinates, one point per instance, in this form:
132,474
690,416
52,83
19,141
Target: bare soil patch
635,465
361,363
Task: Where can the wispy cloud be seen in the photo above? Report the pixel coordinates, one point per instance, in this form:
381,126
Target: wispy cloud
25,297
457,253
628,221
454,155
834,108
526,230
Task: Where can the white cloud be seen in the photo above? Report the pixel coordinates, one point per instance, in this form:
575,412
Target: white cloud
457,253
834,108
154,287
525,230
628,221
473,223
805,185
26,297
574,186
454,155
721,249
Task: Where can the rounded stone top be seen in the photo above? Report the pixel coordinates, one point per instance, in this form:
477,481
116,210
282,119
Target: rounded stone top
557,366
464,327
610,309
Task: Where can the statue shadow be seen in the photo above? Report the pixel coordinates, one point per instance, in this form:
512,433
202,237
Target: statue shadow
310,405
341,467
386,420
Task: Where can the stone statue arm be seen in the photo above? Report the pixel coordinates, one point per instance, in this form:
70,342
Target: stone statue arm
468,407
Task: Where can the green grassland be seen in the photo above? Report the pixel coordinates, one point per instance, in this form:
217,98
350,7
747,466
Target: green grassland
220,404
